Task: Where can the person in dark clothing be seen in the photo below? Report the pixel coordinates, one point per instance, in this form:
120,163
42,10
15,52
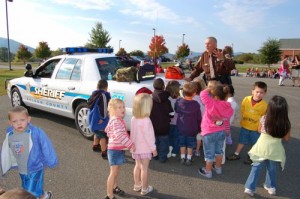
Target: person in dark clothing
188,122
160,116
100,137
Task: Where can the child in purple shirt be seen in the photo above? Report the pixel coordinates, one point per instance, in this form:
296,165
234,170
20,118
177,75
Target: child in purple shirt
188,122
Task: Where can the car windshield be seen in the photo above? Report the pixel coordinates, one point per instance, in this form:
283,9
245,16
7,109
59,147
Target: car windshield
108,65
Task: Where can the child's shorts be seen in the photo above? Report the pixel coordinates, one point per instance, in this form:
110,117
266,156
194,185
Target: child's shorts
33,183
187,141
116,157
248,137
142,156
101,134
199,136
213,145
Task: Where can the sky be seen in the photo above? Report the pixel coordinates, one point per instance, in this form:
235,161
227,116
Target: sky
243,24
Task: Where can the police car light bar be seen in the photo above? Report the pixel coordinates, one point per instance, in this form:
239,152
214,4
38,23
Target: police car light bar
71,50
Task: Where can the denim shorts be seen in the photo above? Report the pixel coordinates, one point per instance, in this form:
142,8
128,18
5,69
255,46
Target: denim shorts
116,157
100,134
33,182
187,141
248,137
213,145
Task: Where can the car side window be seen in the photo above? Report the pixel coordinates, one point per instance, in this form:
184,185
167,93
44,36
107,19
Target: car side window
76,71
46,70
107,65
66,68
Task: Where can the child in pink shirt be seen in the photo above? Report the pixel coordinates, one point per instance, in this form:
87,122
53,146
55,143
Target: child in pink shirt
142,134
118,141
214,126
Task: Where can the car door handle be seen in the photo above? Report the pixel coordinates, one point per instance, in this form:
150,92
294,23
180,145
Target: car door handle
44,85
71,88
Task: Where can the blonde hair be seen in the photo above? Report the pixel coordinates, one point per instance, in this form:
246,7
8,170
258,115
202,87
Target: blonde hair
18,109
142,105
188,89
113,104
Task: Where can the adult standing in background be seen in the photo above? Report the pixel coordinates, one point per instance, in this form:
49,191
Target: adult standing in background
296,70
214,64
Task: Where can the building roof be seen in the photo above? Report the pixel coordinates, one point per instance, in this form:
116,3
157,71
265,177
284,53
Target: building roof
291,44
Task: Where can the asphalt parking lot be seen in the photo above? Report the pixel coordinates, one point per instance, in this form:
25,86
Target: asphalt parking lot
82,173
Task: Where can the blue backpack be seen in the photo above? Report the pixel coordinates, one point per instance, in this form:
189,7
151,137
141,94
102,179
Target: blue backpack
95,116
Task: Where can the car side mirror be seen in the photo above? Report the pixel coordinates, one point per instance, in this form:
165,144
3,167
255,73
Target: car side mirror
29,72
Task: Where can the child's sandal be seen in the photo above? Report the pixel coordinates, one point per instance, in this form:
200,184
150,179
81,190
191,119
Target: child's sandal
118,191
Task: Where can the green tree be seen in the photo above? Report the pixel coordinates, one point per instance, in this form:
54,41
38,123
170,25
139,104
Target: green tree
138,53
182,51
157,47
122,52
42,51
99,38
23,53
270,52
56,52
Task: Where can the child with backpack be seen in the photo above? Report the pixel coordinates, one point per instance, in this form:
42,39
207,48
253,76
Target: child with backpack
98,116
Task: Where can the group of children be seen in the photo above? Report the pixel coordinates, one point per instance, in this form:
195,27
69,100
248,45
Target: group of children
166,119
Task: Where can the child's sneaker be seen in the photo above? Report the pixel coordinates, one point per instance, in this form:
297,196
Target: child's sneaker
217,170
197,153
233,157
146,191
173,155
170,152
249,192
248,161
48,195
182,160
271,191
118,191
96,148
188,162
202,171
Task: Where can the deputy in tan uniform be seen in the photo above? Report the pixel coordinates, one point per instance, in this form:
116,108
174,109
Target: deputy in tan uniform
214,64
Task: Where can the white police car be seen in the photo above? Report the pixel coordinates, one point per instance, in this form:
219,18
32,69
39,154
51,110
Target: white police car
62,85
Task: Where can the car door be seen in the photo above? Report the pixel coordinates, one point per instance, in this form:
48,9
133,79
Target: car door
36,93
65,86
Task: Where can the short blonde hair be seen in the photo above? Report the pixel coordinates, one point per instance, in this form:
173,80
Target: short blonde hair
200,84
142,105
113,104
17,193
18,109
188,89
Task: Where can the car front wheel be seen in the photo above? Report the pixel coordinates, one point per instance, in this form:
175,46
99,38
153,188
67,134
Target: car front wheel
81,120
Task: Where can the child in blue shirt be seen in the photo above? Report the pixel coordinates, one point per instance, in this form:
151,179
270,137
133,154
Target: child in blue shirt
28,148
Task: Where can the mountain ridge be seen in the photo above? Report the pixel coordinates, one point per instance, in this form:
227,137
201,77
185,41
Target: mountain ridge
14,45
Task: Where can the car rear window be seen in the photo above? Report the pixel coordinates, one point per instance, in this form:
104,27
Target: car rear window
107,65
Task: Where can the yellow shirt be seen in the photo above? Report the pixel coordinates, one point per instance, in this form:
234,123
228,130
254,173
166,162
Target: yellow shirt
252,114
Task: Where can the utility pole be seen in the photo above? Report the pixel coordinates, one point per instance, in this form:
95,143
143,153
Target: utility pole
8,45
183,38
120,44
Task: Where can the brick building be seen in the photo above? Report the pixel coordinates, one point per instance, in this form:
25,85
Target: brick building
290,47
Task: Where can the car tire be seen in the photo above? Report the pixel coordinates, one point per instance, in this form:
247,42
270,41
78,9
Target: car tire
81,120
16,98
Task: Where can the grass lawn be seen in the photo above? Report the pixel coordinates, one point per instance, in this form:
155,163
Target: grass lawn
8,74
